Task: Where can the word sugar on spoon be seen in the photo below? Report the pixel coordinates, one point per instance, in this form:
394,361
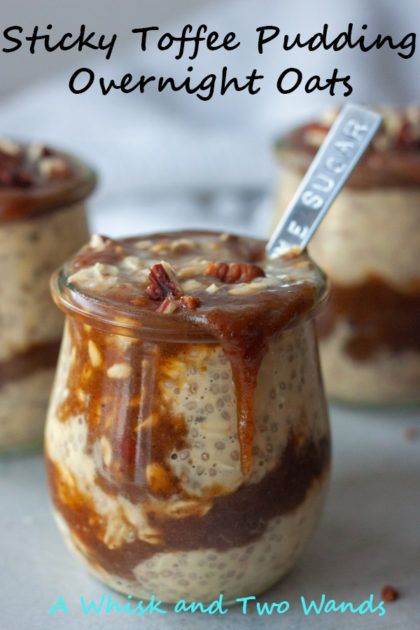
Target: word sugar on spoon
336,159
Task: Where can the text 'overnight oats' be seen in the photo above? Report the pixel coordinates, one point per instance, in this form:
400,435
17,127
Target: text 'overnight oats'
187,441
42,222
369,247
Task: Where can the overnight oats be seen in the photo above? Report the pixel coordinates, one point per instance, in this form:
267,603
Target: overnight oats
42,222
369,246
187,441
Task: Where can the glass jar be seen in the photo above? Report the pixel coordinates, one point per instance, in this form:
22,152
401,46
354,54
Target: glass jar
145,450
369,246
42,221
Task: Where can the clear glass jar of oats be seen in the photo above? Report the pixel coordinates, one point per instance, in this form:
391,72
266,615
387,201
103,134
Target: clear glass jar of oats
42,221
369,247
187,441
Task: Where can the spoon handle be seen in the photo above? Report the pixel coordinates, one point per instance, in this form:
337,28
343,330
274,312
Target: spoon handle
341,150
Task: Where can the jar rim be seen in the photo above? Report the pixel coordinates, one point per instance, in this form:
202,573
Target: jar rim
132,321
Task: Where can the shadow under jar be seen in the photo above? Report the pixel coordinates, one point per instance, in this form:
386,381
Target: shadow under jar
369,246
42,222
187,442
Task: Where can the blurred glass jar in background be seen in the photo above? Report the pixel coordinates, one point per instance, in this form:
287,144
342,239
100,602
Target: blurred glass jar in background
369,246
187,442
42,221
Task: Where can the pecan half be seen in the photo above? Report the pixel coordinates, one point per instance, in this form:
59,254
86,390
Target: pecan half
162,283
234,272
164,287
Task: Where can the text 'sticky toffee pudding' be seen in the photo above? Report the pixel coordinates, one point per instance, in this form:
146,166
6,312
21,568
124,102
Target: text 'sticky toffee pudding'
369,246
42,222
187,441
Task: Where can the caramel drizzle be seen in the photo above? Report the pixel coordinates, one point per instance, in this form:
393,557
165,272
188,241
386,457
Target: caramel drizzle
114,409
244,336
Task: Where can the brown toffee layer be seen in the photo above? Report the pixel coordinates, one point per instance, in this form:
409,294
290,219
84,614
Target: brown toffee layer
380,317
36,179
233,520
41,356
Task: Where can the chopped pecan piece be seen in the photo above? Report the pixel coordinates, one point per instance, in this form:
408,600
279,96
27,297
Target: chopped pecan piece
190,301
100,249
12,171
162,283
389,593
20,179
168,306
234,272
171,304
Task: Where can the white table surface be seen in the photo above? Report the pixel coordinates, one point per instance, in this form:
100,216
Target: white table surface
369,536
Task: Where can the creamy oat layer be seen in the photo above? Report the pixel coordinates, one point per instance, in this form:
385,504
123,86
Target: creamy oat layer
29,253
41,223
165,460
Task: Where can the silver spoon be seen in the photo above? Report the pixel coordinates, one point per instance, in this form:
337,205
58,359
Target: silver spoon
341,150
